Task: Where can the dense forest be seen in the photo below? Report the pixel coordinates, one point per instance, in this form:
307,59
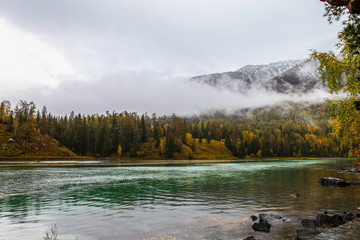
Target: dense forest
286,130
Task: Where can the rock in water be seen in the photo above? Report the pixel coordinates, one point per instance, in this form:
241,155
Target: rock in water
309,223
261,227
250,238
306,234
330,181
269,217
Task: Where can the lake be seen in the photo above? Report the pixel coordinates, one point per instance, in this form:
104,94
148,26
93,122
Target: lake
203,201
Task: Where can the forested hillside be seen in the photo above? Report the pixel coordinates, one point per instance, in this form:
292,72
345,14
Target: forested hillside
20,137
287,130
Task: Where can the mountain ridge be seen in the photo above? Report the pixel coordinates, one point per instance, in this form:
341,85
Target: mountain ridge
290,76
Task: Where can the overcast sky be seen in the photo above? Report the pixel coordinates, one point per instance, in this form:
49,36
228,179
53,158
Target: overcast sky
135,55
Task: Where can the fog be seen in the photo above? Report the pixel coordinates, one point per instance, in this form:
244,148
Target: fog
151,92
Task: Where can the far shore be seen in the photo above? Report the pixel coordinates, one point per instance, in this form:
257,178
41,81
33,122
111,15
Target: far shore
78,162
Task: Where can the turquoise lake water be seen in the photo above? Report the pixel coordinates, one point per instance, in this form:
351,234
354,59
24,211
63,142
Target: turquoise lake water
204,201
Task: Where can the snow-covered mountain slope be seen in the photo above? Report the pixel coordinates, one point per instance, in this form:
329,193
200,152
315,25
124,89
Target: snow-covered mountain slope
247,77
294,76
302,78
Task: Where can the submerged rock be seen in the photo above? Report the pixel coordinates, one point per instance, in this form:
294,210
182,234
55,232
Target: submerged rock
269,217
330,181
306,234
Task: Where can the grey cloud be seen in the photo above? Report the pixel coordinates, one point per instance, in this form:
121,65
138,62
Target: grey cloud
149,92
187,37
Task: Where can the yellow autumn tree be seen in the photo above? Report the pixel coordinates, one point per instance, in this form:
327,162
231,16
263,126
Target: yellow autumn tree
119,151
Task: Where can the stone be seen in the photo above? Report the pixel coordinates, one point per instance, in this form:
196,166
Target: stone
261,227
5,147
269,217
250,238
330,181
305,234
11,140
337,220
254,218
309,223
324,219
348,217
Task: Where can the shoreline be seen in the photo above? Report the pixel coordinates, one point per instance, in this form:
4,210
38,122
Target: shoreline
93,162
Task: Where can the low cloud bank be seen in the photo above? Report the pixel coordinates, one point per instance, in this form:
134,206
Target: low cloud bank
150,92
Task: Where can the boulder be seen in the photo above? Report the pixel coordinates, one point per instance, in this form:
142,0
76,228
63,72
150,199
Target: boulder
309,223
332,221
348,217
261,226
269,217
330,181
324,219
11,140
337,220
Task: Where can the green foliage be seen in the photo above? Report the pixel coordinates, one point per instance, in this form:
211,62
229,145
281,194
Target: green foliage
341,73
10,124
170,146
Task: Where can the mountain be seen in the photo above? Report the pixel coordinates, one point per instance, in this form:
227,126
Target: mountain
302,78
293,76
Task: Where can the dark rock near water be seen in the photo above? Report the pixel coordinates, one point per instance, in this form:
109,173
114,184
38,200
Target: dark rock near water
264,221
309,223
306,234
330,181
262,226
324,219
350,170
269,217
348,217
337,220
250,238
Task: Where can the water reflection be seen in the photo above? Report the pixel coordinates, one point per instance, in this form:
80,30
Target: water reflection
141,202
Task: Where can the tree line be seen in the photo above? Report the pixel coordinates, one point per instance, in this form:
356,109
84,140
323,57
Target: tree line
291,130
